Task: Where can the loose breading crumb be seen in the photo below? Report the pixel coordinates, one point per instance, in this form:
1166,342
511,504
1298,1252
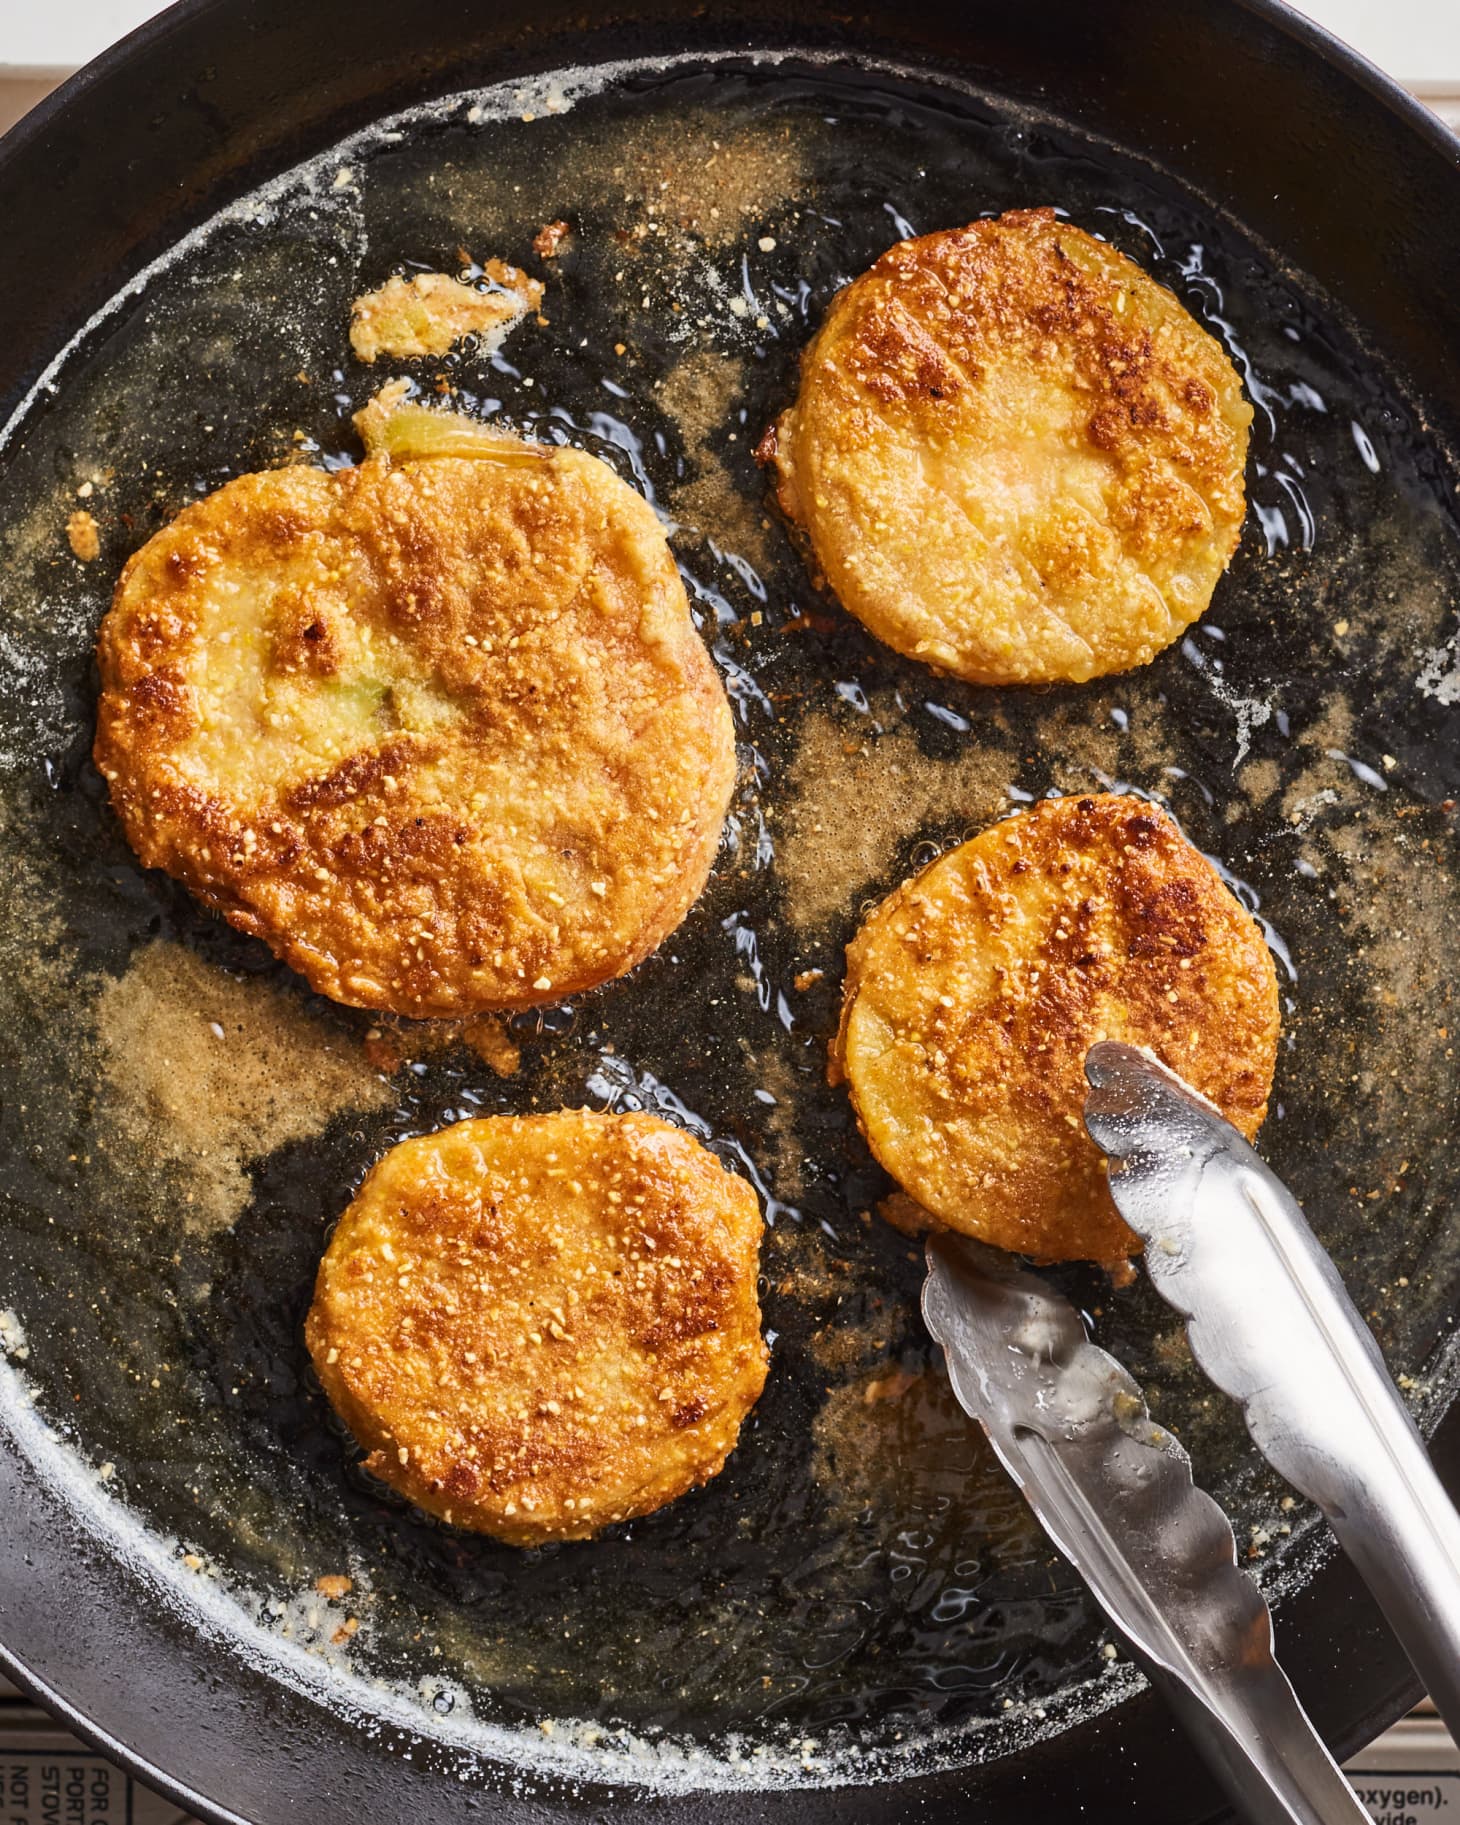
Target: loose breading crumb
489,1038
549,239
12,1337
430,312
201,1072
84,535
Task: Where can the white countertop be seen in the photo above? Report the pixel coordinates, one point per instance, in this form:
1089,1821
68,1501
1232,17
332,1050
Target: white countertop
1416,40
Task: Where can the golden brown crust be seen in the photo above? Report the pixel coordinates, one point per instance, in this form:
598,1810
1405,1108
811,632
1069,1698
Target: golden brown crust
975,990
1016,456
440,731
538,1325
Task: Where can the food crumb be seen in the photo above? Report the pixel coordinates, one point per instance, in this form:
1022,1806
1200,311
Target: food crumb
174,1097
888,1387
549,239
389,1048
829,861
493,1044
12,1337
84,536
431,311
334,1585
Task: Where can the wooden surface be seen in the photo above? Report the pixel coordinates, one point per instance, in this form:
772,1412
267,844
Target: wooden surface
1444,98
21,89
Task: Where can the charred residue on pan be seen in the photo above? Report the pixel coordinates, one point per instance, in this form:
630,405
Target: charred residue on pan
859,1562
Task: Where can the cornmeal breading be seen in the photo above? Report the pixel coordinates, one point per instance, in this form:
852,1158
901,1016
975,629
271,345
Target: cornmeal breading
427,313
538,1325
975,990
84,536
1016,456
438,729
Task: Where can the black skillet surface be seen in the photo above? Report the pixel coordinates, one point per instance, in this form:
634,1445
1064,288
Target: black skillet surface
776,1603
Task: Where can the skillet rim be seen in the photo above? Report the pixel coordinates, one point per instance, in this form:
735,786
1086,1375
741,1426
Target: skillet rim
1398,1686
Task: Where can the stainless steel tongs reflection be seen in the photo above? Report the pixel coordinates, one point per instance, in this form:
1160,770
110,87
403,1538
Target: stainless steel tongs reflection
1270,1323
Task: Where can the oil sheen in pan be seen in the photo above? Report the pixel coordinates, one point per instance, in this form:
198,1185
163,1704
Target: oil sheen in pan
860,1588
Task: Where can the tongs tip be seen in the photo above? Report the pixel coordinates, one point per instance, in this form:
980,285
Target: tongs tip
1137,1106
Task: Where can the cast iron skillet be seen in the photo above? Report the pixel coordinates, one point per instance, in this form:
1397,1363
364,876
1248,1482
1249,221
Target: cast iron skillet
1315,152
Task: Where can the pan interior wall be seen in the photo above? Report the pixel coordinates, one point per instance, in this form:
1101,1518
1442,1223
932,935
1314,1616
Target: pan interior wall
185,1121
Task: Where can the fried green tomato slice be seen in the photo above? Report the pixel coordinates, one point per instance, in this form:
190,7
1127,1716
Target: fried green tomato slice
1014,455
439,729
975,990
539,1325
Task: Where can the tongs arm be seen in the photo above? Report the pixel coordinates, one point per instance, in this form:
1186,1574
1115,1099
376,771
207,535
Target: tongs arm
1271,1324
1114,1492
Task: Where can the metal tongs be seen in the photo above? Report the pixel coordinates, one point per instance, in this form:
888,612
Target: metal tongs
1270,1323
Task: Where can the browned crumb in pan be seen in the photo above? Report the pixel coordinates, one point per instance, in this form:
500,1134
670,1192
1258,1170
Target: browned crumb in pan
548,241
701,393
203,1073
83,536
895,1441
826,859
431,311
